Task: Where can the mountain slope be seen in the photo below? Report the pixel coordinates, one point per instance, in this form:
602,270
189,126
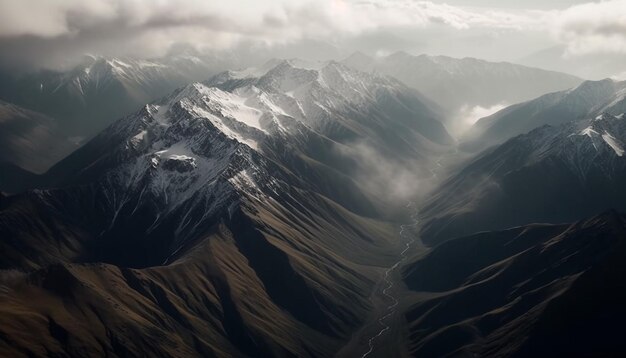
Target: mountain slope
245,230
454,83
533,290
587,100
552,174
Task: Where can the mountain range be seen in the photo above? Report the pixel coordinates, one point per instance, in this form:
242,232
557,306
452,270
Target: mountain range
455,83
81,101
86,98
587,100
302,208
551,174
244,186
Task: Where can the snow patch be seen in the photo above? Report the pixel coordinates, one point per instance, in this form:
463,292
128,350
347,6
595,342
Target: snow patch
176,152
613,143
138,138
589,131
179,157
243,180
222,127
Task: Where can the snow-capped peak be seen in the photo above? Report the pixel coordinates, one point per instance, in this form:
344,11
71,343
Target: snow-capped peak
306,92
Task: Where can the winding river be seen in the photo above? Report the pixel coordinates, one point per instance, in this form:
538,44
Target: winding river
388,280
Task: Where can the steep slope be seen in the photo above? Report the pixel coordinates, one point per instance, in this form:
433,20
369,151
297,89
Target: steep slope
536,290
552,174
588,100
30,140
245,230
454,83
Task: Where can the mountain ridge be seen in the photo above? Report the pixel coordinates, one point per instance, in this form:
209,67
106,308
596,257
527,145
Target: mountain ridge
588,100
454,83
551,174
544,288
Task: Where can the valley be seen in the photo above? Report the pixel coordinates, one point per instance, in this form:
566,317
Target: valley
390,283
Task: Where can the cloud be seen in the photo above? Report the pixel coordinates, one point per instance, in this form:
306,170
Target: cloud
55,33
61,29
619,76
392,181
50,18
468,115
473,114
598,27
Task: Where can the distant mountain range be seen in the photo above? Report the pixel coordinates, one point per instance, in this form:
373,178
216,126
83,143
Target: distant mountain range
80,102
454,83
86,98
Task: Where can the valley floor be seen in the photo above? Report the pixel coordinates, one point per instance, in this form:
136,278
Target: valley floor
386,331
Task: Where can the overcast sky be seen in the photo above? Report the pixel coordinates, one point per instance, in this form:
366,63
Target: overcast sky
585,38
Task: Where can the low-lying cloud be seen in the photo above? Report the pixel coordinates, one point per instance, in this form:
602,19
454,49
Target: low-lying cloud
395,182
467,116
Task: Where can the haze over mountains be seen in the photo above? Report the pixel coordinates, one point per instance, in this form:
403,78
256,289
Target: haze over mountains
457,84
88,97
254,212
31,140
83,100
